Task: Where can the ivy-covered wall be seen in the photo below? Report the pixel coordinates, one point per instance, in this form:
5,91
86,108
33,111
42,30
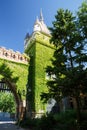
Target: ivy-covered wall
40,52
31,79
21,71
43,56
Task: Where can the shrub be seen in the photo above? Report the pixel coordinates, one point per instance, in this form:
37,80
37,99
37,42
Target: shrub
28,123
61,121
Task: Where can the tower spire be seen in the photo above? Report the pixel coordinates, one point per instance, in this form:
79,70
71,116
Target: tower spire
41,16
37,19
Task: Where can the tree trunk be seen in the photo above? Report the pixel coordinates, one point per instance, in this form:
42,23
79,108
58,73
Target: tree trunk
78,109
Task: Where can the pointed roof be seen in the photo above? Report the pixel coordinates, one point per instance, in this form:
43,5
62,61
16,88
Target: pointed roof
40,25
41,16
27,36
37,20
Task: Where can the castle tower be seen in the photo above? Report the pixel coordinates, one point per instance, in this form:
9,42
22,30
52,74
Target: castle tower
40,51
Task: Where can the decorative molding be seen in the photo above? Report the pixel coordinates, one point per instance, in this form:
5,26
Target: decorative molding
13,56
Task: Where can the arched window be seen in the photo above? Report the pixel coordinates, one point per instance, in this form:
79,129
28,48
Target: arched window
21,58
6,54
14,56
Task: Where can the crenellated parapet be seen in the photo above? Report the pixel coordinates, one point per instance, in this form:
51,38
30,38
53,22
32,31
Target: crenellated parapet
11,55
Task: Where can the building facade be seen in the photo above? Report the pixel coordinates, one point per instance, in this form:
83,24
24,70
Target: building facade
40,51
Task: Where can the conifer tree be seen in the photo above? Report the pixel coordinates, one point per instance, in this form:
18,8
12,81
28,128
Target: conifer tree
69,61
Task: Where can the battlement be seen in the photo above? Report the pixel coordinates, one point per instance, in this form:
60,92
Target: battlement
13,56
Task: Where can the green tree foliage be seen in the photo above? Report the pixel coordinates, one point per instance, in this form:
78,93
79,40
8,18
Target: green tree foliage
82,19
7,102
69,61
7,74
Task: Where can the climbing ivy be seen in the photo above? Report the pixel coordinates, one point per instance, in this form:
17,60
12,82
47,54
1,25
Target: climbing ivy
43,56
20,71
40,52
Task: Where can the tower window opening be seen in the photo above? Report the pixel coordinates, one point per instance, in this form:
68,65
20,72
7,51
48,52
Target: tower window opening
6,54
14,56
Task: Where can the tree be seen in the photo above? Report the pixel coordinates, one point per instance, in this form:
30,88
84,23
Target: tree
7,76
7,102
69,61
82,19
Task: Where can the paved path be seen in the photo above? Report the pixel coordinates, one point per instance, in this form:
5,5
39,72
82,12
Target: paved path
6,123
9,125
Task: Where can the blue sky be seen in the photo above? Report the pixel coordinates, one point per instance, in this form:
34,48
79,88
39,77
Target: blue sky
17,17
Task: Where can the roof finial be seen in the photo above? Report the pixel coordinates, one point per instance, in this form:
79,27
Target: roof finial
41,16
37,19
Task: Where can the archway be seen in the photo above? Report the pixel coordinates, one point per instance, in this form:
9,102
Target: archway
7,77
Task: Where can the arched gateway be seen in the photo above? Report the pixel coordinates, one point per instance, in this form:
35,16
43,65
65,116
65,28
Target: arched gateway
14,73
7,85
